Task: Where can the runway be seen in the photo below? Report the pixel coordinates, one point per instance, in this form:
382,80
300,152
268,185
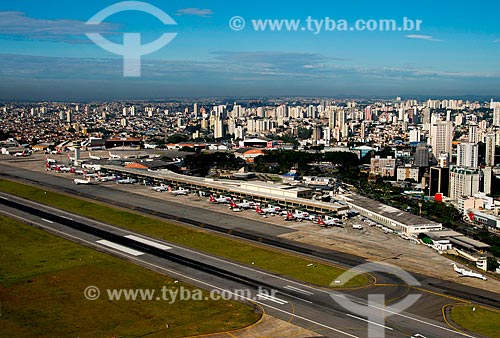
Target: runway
252,230
310,307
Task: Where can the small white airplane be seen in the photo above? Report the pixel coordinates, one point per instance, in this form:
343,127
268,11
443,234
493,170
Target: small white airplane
270,210
49,160
127,180
297,216
468,273
243,205
114,157
219,200
328,223
93,157
160,188
106,178
78,181
180,191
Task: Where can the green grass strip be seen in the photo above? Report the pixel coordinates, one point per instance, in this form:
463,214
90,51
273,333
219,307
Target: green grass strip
274,261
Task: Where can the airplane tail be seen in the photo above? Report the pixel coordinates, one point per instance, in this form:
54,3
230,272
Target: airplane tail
169,188
212,199
289,214
258,209
233,205
320,221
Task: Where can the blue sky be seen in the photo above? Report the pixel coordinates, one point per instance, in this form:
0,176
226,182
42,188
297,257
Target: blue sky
44,53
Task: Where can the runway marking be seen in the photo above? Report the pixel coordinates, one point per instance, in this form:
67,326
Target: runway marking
292,288
4,198
369,321
46,220
92,244
148,242
120,247
71,219
272,299
301,299
442,295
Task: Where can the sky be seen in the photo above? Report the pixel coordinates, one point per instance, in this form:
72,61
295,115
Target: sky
45,53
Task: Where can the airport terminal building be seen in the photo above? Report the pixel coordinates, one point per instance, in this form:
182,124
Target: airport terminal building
286,196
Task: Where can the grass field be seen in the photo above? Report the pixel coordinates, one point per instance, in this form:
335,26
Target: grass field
42,279
274,261
477,319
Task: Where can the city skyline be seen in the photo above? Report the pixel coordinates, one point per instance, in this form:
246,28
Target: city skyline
45,54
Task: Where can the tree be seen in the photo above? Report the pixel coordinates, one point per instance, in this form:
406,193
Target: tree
492,264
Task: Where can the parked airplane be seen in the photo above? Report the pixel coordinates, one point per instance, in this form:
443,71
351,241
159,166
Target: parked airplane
22,154
106,178
297,216
270,210
243,205
127,180
180,191
114,157
79,181
93,157
49,160
160,188
219,200
468,273
328,223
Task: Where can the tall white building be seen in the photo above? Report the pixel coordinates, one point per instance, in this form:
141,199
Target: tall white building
441,138
473,138
463,182
496,113
467,155
490,150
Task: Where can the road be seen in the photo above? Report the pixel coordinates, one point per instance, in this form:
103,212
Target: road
313,308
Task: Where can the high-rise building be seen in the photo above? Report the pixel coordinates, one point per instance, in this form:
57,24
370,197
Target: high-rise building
463,182
219,130
490,150
439,181
422,155
441,138
487,179
473,133
496,113
467,155
195,110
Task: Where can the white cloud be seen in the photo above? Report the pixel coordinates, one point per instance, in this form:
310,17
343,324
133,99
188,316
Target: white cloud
18,25
422,37
195,11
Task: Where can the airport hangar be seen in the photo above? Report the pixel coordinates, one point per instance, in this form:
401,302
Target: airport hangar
286,197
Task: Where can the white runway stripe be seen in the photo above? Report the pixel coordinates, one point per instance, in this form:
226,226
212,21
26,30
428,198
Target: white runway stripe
148,242
120,247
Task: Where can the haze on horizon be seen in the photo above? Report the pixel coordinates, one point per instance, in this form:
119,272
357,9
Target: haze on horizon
45,55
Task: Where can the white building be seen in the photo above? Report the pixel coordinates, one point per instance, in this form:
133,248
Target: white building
467,155
463,182
441,137
408,172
